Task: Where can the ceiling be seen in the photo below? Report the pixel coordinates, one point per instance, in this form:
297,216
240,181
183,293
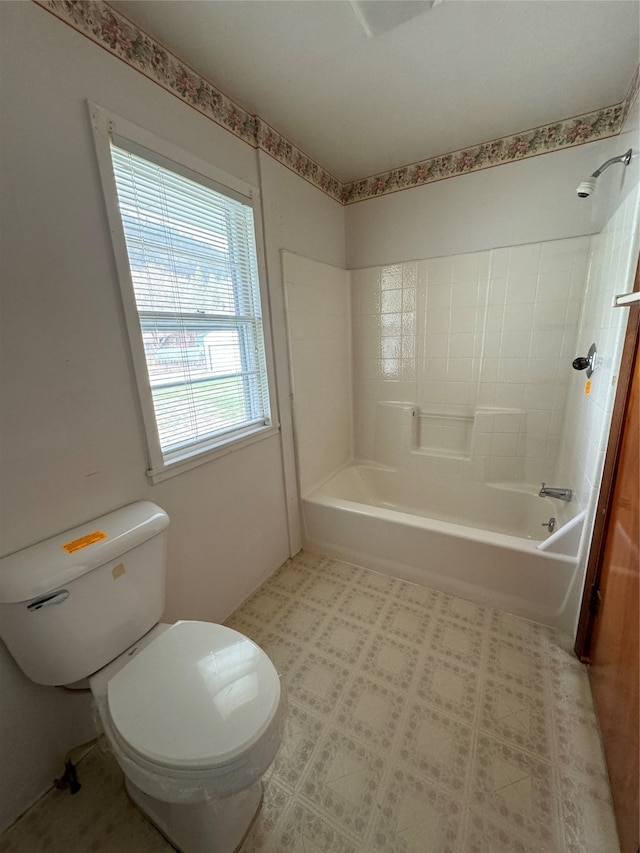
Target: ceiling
457,74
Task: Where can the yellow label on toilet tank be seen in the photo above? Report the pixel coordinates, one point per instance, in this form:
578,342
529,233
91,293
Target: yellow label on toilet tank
84,541
587,386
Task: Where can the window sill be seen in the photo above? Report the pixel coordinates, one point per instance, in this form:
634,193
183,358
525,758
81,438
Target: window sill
193,460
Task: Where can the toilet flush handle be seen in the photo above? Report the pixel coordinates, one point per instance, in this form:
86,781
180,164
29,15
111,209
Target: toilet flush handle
46,600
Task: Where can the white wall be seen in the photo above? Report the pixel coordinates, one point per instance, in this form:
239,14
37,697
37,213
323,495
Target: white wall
72,445
303,220
319,325
526,202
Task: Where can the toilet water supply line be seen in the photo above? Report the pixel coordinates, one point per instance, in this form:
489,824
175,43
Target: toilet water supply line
69,778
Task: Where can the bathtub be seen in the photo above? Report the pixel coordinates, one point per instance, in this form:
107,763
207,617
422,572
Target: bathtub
481,541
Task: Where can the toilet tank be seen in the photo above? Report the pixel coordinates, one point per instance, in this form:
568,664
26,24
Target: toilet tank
74,602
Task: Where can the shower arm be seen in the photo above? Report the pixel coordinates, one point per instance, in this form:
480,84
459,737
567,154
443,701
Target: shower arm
623,158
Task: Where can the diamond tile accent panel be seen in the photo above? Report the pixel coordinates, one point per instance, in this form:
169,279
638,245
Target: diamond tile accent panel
508,783
416,722
317,683
406,622
363,606
304,830
416,817
344,781
299,620
516,663
458,641
489,836
370,712
516,716
436,747
302,733
391,661
449,687
343,640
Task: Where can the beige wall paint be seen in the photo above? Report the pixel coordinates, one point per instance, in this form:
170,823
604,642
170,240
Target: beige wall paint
72,446
526,202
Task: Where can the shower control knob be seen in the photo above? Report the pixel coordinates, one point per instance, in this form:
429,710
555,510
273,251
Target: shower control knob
587,362
581,363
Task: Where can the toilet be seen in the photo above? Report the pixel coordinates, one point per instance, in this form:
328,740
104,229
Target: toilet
193,712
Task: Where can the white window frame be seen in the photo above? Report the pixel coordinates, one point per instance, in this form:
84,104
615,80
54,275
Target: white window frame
108,127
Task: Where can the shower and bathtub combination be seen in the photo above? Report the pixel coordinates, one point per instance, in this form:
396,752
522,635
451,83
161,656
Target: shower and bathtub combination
481,541
432,399
501,543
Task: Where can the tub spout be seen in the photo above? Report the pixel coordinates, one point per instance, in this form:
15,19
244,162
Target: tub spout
553,492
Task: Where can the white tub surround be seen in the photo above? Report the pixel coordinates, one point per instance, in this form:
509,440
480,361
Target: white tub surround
566,540
435,440
318,319
476,540
491,330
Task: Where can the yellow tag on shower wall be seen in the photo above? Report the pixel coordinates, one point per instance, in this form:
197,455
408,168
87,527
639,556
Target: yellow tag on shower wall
587,386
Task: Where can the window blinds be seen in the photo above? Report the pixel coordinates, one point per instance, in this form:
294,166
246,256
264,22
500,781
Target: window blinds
192,257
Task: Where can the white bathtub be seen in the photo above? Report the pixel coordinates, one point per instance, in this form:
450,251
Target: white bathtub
481,541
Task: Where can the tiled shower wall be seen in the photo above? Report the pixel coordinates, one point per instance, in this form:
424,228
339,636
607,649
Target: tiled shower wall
588,416
318,319
462,365
470,340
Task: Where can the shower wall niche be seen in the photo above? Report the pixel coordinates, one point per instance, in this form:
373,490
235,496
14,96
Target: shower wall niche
478,349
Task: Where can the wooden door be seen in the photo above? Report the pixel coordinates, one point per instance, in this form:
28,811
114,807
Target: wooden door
614,646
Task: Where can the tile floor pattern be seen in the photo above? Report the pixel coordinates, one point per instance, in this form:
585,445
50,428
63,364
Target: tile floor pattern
417,722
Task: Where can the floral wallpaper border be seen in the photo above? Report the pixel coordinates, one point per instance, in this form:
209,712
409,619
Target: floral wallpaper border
116,34
541,140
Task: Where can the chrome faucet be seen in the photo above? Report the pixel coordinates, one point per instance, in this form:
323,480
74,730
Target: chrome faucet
553,492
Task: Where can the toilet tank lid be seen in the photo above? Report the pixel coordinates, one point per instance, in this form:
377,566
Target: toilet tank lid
49,565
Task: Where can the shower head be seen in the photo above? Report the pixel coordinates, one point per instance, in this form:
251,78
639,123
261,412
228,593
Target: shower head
586,188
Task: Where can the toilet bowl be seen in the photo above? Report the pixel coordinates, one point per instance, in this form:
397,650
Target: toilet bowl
193,712
193,715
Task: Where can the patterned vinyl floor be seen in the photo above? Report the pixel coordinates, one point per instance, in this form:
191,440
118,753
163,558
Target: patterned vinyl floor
417,722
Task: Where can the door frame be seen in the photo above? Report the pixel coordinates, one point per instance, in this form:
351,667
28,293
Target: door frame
593,574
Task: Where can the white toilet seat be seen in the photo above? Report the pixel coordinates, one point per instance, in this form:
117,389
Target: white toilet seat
196,698
194,714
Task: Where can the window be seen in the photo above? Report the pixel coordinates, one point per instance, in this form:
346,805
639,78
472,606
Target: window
192,299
